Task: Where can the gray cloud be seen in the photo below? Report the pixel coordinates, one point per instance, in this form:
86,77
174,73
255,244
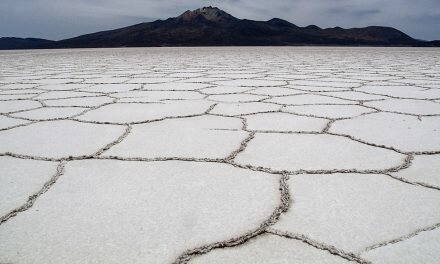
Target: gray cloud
67,18
366,13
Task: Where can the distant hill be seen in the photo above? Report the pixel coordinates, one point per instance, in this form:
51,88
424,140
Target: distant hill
210,26
435,43
23,43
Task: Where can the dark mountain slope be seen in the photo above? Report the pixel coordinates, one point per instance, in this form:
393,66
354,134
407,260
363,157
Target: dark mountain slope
22,43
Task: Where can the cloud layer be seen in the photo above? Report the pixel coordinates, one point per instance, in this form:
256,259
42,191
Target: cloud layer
67,18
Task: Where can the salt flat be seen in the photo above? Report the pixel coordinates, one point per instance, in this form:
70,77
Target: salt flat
220,155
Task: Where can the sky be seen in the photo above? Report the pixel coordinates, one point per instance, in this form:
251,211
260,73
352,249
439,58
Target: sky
60,19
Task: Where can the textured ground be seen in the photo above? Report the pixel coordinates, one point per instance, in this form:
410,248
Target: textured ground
220,155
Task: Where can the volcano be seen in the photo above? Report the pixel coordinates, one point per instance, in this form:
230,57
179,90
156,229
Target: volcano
210,26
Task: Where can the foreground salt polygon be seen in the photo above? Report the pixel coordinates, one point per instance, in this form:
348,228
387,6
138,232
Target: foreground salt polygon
108,210
220,155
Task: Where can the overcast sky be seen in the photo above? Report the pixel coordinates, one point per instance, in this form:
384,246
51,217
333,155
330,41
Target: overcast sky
58,19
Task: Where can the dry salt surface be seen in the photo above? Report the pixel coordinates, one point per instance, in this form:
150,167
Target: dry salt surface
220,155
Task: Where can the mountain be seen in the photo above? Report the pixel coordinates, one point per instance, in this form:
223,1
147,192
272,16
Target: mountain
22,43
210,26
435,43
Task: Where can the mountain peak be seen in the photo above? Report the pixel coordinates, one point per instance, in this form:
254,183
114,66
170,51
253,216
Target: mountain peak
280,22
209,13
